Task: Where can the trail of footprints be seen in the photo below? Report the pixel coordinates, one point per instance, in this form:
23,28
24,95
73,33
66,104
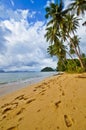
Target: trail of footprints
8,107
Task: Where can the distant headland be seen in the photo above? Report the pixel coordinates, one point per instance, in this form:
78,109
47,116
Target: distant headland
47,69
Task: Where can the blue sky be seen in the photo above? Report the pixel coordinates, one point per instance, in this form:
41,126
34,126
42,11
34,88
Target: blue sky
22,29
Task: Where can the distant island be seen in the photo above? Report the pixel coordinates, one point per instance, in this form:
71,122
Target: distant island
16,71
47,69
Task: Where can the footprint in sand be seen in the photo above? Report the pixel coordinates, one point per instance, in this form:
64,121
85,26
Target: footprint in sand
42,91
20,119
38,87
38,110
19,97
68,121
35,90
12,128
57,103
58,127
4,117
6,110
44,83
14,105
30,100
63,94
5,105
20,111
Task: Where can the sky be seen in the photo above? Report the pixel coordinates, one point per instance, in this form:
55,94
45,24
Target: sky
22,29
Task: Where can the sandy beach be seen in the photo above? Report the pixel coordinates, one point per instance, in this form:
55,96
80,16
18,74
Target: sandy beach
56,103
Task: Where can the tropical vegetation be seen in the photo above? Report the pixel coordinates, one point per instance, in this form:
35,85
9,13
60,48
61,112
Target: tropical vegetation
61,33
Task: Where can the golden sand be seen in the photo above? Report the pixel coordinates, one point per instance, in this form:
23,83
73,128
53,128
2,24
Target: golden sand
57,103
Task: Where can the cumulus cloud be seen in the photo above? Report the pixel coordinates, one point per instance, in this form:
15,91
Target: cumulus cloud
17,15
48,2
32,1
24,45
12,2
67,2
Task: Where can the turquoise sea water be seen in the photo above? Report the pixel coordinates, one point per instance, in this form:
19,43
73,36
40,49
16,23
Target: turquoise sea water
10,82
6,78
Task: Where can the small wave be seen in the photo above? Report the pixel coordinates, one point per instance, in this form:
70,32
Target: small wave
3,83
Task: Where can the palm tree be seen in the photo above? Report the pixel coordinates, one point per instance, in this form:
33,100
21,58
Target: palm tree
79,6
58,49
51,34
71,24
60,27
76,41
55,12
84,24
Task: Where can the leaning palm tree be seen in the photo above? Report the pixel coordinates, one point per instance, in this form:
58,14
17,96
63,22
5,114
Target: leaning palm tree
84,24
72,23
58,49
61,26
79,6
51,34
55,12
75,39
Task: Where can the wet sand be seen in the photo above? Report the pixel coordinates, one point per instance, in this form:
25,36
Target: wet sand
12,87
56,103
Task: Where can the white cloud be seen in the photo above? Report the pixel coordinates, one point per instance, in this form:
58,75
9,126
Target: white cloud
17,15
26,47
48,2
12,2
22,43
32,1
66,3
82,34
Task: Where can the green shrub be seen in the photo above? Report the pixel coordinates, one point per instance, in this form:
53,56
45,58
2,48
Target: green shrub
80,70
71,65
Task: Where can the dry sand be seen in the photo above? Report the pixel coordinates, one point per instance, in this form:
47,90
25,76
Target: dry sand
57,103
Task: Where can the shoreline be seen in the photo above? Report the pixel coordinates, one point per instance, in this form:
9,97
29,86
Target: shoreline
17,85
57,102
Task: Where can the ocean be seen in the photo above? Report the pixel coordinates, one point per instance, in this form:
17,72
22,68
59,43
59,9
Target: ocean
11,81
6,78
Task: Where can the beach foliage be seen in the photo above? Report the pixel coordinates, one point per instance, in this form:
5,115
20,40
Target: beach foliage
71,65
61,33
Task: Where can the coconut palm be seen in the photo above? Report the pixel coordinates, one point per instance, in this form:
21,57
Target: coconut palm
51,34
75,39
61,26
58,49
71,24
84,24
55,12
79,6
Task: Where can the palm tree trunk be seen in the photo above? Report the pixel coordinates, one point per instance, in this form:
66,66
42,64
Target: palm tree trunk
77,53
